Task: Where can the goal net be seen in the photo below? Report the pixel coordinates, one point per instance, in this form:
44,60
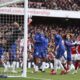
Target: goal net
9,2
13,36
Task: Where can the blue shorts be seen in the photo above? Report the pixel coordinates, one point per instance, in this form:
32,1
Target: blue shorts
13,52
1,51
43,54
12,58
45,51
60,53
39,53
13,49
68,56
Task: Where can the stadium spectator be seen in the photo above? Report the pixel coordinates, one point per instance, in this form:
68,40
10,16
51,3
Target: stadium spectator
57,4
73,5
7,29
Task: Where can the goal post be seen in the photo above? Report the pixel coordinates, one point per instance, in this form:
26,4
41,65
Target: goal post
25,38
7,20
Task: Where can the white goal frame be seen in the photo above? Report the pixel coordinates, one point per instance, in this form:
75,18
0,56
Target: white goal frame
25,39
11,2
24,73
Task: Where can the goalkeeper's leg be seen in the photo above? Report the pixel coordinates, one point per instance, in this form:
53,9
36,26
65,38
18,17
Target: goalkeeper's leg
13,65
5,61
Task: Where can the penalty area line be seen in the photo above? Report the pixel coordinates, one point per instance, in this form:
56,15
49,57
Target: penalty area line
38,78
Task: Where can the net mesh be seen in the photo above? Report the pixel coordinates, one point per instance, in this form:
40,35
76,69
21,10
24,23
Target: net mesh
9,2
11,44
4,1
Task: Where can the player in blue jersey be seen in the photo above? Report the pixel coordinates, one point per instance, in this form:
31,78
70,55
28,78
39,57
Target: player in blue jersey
10,48
59,52
12,56
39,49
46,44
1,51
68,45
44,50
3,55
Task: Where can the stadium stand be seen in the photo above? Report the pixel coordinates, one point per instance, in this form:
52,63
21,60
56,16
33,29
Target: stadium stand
72,5
57,4
65,25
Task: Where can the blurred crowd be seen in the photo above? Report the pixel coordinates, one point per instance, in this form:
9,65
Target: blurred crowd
11,36
57,5
19,5
7,29
72,5
46,28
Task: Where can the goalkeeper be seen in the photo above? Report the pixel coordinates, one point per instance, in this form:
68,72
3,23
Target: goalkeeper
11,45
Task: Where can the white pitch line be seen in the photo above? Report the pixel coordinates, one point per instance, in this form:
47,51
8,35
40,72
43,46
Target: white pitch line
38,78
28,78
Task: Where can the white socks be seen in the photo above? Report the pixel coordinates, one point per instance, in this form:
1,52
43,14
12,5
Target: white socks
8,64
72,67
13,66
60,64
56,63
5,67
17,64
36,68
43,66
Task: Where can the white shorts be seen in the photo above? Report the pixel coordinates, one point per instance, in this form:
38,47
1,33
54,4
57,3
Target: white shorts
63,60
76,57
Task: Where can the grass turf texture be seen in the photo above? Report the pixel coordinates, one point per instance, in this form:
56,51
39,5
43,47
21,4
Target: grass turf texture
47,76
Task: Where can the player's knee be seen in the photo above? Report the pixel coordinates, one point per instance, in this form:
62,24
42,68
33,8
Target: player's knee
36,60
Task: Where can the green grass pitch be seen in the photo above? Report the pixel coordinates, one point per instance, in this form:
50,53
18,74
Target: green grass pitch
46,76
